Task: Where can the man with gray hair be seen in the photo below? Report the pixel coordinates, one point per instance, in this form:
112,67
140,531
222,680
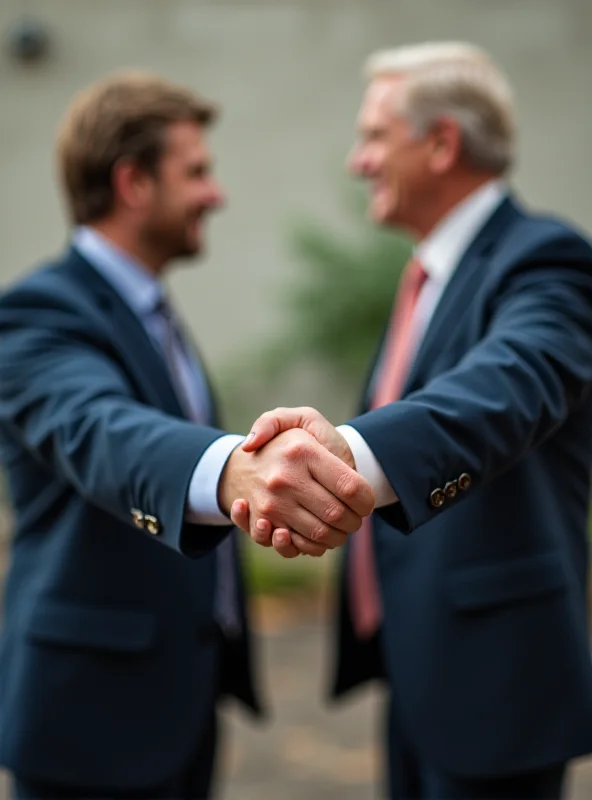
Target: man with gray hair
476,436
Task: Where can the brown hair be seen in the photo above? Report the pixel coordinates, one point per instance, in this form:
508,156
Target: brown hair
123,116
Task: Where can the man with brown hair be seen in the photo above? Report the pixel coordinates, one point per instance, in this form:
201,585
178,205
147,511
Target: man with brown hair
115,649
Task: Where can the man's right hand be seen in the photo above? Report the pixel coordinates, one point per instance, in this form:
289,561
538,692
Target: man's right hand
294,481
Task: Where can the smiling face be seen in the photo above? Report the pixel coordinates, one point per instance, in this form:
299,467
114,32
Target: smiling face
403,170
178,197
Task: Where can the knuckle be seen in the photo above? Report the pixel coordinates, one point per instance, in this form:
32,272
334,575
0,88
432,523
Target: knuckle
266,508
276,482
270,417
320,532
334,513
348,485
296,450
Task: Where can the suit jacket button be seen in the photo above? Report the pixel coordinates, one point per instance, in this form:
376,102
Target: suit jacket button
437,498
450,490
138,518
464,481
152,525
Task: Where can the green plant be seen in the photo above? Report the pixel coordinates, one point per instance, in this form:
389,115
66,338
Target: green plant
335,307
339,302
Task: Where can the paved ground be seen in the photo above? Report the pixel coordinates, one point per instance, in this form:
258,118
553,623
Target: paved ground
311,752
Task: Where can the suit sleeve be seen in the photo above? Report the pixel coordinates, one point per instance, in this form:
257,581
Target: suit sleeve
71,406
509,394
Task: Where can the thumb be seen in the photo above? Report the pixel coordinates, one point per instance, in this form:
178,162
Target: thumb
272,423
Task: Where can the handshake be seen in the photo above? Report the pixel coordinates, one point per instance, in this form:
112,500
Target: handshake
292,484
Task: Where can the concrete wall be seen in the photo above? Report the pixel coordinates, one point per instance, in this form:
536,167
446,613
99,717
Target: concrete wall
288,77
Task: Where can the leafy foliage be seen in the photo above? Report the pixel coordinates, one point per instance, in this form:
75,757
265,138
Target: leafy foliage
338,304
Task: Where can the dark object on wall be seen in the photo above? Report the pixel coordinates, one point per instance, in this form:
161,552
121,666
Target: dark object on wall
28,40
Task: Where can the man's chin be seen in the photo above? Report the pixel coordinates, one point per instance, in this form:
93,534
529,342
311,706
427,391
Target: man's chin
190,251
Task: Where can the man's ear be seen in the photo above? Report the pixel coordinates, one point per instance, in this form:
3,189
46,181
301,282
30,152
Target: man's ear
132,186
446,138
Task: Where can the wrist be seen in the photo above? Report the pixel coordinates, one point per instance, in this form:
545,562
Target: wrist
227,491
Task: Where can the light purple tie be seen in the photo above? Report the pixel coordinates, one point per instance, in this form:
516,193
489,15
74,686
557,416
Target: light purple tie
185,374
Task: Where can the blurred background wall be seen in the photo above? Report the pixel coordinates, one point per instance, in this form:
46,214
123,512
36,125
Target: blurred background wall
287,74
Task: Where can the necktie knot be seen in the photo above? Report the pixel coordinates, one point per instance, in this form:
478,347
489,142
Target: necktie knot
162,307
415,274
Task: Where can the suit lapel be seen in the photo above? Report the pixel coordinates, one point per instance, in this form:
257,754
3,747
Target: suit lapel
461,288
127,335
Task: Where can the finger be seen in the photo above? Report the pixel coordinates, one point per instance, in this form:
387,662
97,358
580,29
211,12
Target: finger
282,543
270,425
291,544
239,514
323,505
309,527
306,547
261,532
344,483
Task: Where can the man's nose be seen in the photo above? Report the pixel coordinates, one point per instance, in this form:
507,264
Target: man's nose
215,195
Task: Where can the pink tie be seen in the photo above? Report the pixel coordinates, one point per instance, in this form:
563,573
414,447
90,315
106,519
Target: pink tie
365,602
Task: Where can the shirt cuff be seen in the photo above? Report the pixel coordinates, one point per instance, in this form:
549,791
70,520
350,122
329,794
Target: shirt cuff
202,499
368,466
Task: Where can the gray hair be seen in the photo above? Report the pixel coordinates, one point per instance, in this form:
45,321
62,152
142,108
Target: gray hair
460,81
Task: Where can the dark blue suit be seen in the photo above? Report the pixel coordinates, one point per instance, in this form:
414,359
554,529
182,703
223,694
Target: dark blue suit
483,579
111,661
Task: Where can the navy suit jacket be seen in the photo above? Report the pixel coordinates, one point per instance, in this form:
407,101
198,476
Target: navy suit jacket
485,637
110,659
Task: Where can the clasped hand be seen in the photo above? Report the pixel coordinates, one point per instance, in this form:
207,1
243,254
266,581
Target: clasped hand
292,484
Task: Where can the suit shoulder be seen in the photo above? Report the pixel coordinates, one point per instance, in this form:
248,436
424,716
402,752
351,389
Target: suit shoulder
538,247
49,298
551,235
44,285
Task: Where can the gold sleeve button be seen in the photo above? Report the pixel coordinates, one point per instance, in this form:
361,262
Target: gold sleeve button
152,525
464,481
138,518
450,490
437,498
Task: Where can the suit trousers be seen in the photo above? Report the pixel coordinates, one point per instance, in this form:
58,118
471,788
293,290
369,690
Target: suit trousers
194,782
410,778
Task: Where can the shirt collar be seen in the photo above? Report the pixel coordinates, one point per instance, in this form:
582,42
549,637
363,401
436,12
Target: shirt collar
138,287
441,251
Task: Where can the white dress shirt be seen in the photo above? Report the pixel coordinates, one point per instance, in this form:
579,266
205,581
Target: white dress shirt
440,253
